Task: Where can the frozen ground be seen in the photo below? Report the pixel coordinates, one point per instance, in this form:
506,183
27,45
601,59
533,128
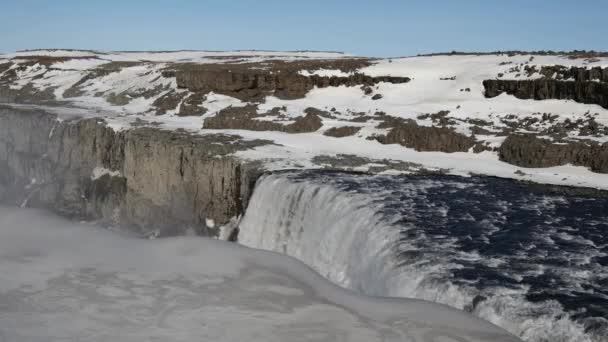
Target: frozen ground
63,281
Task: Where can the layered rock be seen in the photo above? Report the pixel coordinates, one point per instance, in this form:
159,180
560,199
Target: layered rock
157,182
529,150
253,84
580,74
589,92
340,132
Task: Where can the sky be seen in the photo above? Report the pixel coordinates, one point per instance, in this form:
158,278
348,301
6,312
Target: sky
368,28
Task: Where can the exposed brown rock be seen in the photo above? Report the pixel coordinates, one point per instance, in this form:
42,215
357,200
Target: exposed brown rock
169,101
528,150
344,131
5,66
305,124
422,138
318,112
48,60
590,92
192,105
580,74
245,118
165,181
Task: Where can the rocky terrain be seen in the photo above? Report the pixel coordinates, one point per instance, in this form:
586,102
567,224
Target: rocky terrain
174,141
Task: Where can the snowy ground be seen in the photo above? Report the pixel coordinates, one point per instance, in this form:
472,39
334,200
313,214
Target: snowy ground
439,83
61,281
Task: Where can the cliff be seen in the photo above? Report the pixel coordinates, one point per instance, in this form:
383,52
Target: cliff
156,182
528,150
582,85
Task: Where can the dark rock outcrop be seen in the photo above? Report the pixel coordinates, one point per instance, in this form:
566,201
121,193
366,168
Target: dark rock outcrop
154,181
192,105
168,101
246,117
253,84
344,131
421,138
529,150
590,92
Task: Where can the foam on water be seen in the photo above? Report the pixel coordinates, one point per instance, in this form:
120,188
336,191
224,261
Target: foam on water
532,262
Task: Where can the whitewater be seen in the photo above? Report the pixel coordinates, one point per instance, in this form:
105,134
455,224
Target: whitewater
529,259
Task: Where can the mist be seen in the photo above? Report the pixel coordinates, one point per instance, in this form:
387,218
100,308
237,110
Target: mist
66,280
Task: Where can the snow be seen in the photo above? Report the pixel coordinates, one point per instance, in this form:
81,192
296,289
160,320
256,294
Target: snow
426,93
62,280
216,102
358,231
297,150
325,73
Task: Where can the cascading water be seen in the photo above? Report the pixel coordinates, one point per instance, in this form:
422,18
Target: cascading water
531,262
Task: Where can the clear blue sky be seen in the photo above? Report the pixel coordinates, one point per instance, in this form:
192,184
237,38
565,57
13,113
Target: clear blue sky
372,28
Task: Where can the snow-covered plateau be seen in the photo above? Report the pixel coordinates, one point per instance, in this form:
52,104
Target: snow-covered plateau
429,113
472,180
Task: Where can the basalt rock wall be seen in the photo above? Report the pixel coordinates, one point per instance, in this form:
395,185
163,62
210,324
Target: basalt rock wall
528,150
155,182
589,92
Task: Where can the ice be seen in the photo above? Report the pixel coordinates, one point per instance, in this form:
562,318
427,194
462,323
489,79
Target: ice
61,280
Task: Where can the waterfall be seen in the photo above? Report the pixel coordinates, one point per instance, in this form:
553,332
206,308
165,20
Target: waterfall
337,233
425,238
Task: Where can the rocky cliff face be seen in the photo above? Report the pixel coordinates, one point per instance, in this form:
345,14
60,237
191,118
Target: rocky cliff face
580,74
528,150
167,182
253,84
579,84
